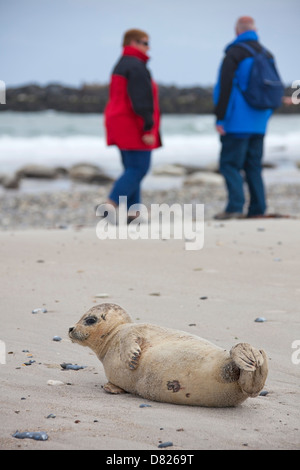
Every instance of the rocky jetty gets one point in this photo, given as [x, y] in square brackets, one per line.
[92, 98]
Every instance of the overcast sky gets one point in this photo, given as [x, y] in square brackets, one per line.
[78, 41]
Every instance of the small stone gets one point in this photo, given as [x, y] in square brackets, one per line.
[38, 310]
[51, 415]
[56, 338]
[144, 405]
[72, 366]
[37, 436]
[55, 382]
[260, 319]
[102, 296]
[28, 363]
[165, 444]
[263, 393]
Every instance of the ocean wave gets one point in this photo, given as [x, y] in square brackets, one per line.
[64, 151]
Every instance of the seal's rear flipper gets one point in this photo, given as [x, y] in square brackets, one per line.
[253, 365]
[111, 388]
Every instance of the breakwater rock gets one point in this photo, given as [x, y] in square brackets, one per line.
[92, 98]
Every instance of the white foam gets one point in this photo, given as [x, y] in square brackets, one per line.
[59, 139]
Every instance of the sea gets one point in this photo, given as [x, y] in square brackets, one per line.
[62, 139]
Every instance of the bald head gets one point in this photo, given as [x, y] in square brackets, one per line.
[245, 23]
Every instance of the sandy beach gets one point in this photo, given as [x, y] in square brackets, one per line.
[245, 270]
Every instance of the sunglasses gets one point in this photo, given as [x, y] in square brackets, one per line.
[144, 43]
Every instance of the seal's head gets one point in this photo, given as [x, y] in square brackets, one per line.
[96, 325]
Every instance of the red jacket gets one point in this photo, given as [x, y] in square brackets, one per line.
[133, 106]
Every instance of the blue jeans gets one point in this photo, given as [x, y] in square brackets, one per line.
[243, 153]
[136, 164]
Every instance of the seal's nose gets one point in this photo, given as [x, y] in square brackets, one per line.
[71, 329]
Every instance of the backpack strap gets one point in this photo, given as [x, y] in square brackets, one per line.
[246, 46]
[252, 51]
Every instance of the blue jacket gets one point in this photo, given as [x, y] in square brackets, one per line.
[231, 109]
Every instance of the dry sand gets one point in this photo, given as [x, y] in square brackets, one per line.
[246, 269]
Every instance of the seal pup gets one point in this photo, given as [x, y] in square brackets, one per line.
[166, 365]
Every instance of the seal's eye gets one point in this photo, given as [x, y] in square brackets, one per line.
[90, 320]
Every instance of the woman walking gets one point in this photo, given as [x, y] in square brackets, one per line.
[132, 116]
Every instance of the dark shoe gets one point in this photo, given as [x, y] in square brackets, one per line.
[229, 215]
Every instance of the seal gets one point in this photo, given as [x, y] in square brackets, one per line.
[167, 365]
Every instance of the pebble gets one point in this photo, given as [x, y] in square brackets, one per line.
[68, 208]
[37, 436]
[51, 415]
[165, 444]
[263, 393]
[28, 363]
[56, 338]
[72, 366]
[260, 319]
[55, 382]
[102, 296]
[144, 405]
[38, 310]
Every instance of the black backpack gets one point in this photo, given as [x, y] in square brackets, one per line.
[265, 89]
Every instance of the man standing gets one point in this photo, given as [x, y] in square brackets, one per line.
[241, 126]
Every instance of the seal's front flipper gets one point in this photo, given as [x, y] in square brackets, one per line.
[253, 365]
[134, 357]
[131, 351]
[111, 388]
